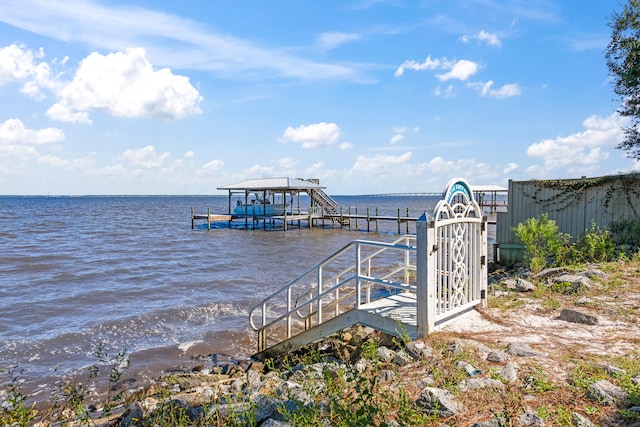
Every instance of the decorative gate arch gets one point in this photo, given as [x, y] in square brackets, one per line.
[451, 257]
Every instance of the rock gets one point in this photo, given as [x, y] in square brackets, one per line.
[593, 272]
[581, 421]
[493, 422]
[548, 272]
[574, 316]
[273, 423]
[419, 350]
[474, 383]
[386, 354]
[525, 286]
[440, 401]
[522, 285]
[529, 420]
[509, 372]
[497, 356]
[578, 283]
[293, 391]
[256, 366]
[254, 379]
[402, 358]
[264, 407]
[523, 350]
[131, 415]
[583, 301]
[636, 380]
[385, 376]
[426, 382]
[613, 370]
[606, 393]
[219, 359]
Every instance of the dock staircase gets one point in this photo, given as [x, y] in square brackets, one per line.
[337, 293]
[330, 206]
[408, 286]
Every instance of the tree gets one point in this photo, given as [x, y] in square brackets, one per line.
[623, 61]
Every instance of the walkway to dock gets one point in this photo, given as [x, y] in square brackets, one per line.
[254, 197]
[413, 285]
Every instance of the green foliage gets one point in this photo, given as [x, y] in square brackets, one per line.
[544, 245]
[622, 53]
[626, 232]
[539, 382]
[596, 245]
[72, 406]
[15, 412]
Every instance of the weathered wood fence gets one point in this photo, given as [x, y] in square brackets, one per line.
[575, 204]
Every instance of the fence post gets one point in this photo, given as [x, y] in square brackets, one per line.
[484, 268]
[424, 295]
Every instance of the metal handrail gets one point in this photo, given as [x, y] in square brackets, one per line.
[325, 294]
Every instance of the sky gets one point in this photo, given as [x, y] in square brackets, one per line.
[369, 96]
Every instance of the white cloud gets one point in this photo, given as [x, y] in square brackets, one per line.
[62, 113]
[122, 84]
[329, 41]
[258, 171]
[460, 70]
[483, 36]
[318, 135]
[378, 163]
[396, 138]
[510, 168]
[345, 146]
[506, 91]
[13, 131]
[53, 161]
[211, 168]
[449, 92]
[145, 157]
[287, 162]
[319, 171]
[428, 64]
[127, 85]
[400, 132]
[18, 64]
[580, 152]
[170, 39]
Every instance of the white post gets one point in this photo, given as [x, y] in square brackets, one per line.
[319, 297]
[422, 282]
[358, 281]
[484, 267]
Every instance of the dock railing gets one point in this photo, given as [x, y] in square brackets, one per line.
[357, 274]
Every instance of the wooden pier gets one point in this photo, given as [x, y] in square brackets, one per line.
[257, 196]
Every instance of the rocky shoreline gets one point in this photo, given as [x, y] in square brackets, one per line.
[559, 348]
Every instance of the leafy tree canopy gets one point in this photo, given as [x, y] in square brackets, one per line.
[623, 60]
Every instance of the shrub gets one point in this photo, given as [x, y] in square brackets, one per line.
[595, 245]
[544, 245]
[626, 232]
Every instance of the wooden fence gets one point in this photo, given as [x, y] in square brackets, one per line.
[575, 204]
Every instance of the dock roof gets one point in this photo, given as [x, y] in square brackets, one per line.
[274, 184]
[488, 188]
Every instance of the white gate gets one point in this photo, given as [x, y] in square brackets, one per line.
[451, 257]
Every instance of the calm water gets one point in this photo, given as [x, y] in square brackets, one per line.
[130, 273]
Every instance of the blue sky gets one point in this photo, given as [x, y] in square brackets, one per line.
[369, 96]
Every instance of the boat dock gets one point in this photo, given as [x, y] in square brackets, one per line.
[271, 203]
[344, 220]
